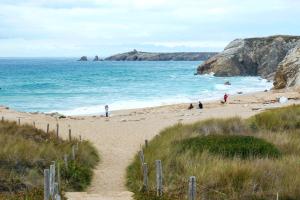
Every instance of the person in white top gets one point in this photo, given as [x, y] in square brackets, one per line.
[106, 110]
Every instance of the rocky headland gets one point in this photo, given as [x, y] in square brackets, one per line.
[268, 57]
[147, 56]
[288, 72]
[83, 58]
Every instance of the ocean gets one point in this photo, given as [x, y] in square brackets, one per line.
[70, 87]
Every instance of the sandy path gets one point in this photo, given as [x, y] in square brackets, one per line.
[119, 138]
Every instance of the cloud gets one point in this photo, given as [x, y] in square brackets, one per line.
[58, 26]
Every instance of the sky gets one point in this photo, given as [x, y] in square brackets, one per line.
[72, 28]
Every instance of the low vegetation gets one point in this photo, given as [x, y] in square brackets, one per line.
[231, 158]
[26, 151]
[229, 146]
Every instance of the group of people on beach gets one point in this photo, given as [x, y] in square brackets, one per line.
[200, 105]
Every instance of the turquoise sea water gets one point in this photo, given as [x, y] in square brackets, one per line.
[77, 88]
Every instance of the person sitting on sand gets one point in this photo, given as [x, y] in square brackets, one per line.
[200, 105]
[191, 106]
[106, 110]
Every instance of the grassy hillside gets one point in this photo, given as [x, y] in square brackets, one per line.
[26, 151]
[231, 158]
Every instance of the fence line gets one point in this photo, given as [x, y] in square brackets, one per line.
[47, 130]
[51, 183]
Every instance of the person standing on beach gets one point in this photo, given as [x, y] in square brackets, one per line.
[225, 97]
[106, 110]
[200, 105]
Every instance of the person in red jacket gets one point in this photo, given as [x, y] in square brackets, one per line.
[225, 97]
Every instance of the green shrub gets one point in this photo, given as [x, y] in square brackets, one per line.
[77, 176]
[230, 146]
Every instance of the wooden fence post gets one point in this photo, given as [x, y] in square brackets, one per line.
[52, 179]
[142, 157]
[146, 143]
[34, 124]
[145, 177]
[192, 188]
[80, 138]
[55, 192]
[66, 161]
[57, 130]
[277, 196]
[70, 135]
[73, 152]
[47, 128]
[77, 147]
[159, 178]
[57, 197]
[19, 121]
[46, 184]
[2, 119]
[58, 176]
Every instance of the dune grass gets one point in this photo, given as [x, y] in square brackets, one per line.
[258, 176]
[277, 119]
[26, 151]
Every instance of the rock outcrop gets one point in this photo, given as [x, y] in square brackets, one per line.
[147, 56]
[83, 58]
[288, 73]
[252, 56]
[96, 58]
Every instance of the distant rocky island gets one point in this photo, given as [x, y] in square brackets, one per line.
[85, 58]
[275, 57]
[148, 56]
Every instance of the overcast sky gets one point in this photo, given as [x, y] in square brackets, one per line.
[102, 27]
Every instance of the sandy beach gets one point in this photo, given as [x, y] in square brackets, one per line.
[120, 136]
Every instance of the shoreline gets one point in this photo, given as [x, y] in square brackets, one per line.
[112, 112]
[119, 137]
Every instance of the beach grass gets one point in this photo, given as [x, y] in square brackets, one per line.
[26, 151]
[231, 158]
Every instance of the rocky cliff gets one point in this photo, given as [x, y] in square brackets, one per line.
[252, 56]
[146, 56]
[288, 73]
